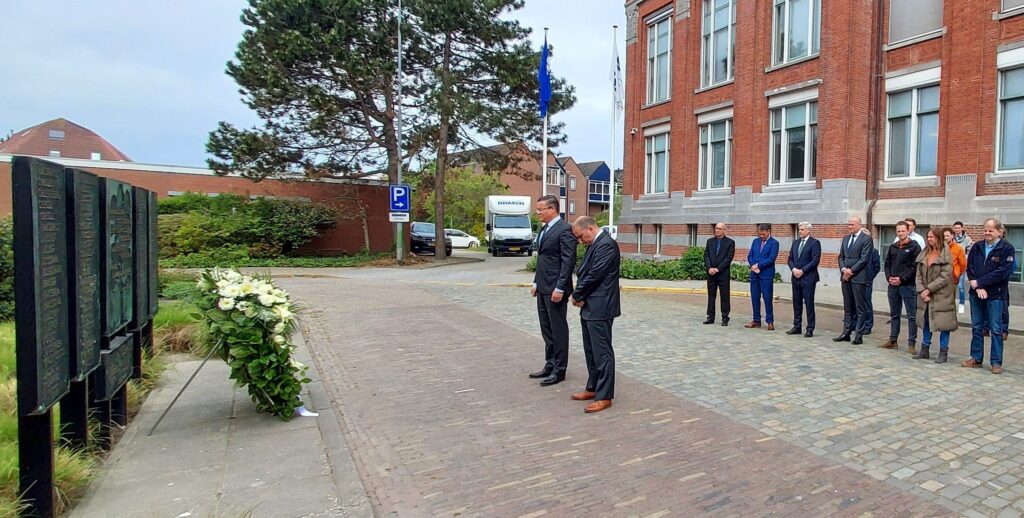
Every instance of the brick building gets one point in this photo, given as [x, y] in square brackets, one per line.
[781, 111]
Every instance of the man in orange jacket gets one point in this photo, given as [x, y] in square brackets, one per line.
[958, 254]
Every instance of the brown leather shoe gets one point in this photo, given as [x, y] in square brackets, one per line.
[598, 406]
[997, 369]
[771, 327]
[970, 362]
[889, 344]
[1006, 335]
[752, 324]
[582, 396]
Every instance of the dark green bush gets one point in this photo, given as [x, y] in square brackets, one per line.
[693, 263]
[6, 268]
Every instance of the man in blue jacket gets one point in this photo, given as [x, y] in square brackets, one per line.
[874, 267]
[804, 256]
[761, 258]
[989, 266]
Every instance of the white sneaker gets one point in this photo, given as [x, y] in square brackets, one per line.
[960, 308]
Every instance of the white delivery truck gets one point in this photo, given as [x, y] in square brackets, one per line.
[507, 225]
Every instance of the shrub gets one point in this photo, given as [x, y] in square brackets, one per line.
[693, 263]
[6, 268]
[531, 265]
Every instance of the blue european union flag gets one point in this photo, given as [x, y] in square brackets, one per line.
[544, 78]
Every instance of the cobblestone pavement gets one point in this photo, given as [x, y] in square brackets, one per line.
[429, 384]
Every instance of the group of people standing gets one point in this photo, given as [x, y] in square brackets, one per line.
[596, 293]
[924, 276]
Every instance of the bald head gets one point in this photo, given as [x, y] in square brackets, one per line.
[854, 224]
[585, 229]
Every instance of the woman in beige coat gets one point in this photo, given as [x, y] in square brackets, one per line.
[936, 309]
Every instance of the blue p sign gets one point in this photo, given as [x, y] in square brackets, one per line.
[400, 197]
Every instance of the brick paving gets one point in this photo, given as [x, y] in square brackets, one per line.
[429, 385]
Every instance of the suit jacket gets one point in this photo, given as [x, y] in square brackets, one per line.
[556, 257]
[992, 272]
[807, 261]
[721, 258]
[763, 255]
[856, 256]
[597, 281]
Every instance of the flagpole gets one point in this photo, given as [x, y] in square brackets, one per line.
[544, 160]
[615, 111]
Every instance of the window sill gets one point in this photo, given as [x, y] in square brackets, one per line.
[791, 63]
[653, 196]
[659, 103]
[916, 39]
[723, 191]
[714, 86]
[790, 187]
[1016, 175]
[1002, 15]
[908, 183]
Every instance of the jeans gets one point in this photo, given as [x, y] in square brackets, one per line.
[990, 312]
[927, 340]
[962, 287]
[761, 287]
[905, 296]
[1006, 312]
[869, 316]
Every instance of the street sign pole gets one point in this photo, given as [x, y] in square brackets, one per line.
[400, 245]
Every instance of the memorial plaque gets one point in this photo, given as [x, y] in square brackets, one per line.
[115, 368]
[140, 274]
[154, 260]
[84, 271]
[116, 206]
[40, 284]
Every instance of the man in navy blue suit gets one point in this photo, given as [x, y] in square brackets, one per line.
[761, 258]
[804, 256]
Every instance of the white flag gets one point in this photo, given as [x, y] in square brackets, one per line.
[616, 76]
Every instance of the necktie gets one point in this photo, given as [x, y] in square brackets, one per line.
[718, 245]
[541, 235]
[800, 249]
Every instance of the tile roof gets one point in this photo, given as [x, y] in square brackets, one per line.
[64, 136]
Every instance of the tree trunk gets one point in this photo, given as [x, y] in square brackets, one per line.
[442, 150]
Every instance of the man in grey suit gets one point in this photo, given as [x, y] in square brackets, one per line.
[854, 255]
[552, 286]
[597, 296]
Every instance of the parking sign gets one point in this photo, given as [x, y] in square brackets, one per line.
[400, 197]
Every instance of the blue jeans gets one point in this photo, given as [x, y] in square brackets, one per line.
[962, 287]
[1006, 313]
[869, 320]
[943, 336]
[761, 288]
[904, 296]
[987, 313]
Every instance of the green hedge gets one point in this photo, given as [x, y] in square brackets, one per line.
[688, 267]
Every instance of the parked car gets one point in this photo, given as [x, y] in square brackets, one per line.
[461, 239]
[422, 238]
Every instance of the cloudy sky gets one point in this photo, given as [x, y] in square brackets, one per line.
[149, 76]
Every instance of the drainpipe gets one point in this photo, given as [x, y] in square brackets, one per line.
[877, 78]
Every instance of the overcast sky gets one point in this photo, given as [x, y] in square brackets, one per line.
[149, 76]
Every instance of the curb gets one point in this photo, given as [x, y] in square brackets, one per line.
[649, 289]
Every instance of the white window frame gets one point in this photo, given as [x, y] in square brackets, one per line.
[914, 140]
[888, 30]
[649, 160]
[813, 37]
[693, 234]
[657, 239]
[653, 79]
[572, 206]
[572, 182]
[707, 48]
[809, 151]
[56, 134]
[95, 155]
[705, 153]
[639, 239]
[1004, 9]
[1005, 61]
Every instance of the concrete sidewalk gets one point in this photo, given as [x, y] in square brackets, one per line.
[214, 456]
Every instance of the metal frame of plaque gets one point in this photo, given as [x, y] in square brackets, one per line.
[116, 255]
[117, 368]
[84, 228]
[154, 261]
[140, 274]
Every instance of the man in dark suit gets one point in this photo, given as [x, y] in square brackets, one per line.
[804, 256]
[718, 254]
[874, 268]
[761, 258]
[552, 286]
[597, 296]
[854, 256]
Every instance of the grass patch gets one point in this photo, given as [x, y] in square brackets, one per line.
[201, 260]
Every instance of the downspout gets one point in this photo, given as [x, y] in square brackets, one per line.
[877, 56]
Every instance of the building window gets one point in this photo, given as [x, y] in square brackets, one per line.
[657, 239]
[572, 207]
[555, 176]
[659, 46]
[1011, 120]
[1016, 235]
[572, 182]
[639, 239]
[54, 152]
[599, 191]
[1012, 4]
[656, 179]
[718, 42]
[796, 29]
[913, 133]
[912, 18]
[794, 143]
[95, 156]
[715, 155]
[56, 134]
[693, 235]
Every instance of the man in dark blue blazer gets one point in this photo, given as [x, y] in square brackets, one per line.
[854, 257]
[552, 286]
[761, 258]
[597, 296]
[989, 267]
[804, 256]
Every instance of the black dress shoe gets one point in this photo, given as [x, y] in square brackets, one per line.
[794, 331]
[857, 340]
[708, 321]
[845, 337]
[808, 334]
[866, 332]
[725, 321]
[551, 380]
[540, 374]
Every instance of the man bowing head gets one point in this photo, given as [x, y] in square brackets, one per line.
[597, 296]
